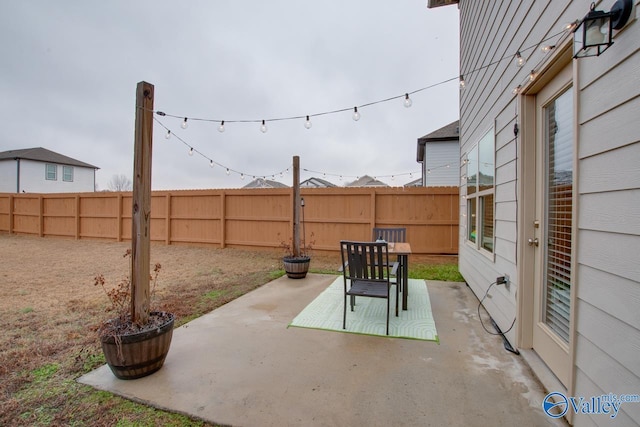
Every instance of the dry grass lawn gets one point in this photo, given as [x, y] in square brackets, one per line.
[51, 310]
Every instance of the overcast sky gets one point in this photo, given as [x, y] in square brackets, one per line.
[69, 71]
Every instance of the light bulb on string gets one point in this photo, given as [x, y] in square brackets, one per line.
[307, 123]
[227, 171]
[242, 176]
[356, 115]
[463, 84]
[191, 151]
[211, 163]
[407, 101]
[263, 127]
[168, 135]
[532, 75]
[221, 127]
[516, 90]
[520, 61]
[184, 124]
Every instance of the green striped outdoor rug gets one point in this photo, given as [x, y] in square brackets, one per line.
[369, 316]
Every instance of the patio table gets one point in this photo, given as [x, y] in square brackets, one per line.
[402, 250]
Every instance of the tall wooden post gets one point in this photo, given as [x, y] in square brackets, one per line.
[141, 204]
[296, 206]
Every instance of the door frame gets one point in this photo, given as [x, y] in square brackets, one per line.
[526, 214]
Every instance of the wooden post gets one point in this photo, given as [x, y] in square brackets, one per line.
[141, 204]
[296, 206]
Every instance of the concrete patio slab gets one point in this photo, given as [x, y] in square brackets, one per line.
[240, 365]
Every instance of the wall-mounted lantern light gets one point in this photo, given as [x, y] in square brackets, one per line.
[595, 32]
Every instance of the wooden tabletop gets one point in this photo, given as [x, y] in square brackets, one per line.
[399, 248]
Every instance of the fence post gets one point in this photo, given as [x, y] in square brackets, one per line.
[223, 219]
[296, 206]
[77, 218]
[167, 223]
[11, 214]
[40, 216]
[141, 204]
[119, 219]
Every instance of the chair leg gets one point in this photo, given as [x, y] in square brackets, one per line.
[388, 306]
[397, 297]
[344, 316]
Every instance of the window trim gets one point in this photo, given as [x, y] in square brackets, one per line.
[46, 171]
[480, 197]
[66, 168]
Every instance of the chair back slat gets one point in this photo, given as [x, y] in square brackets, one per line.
[365, 260]
[397, 234]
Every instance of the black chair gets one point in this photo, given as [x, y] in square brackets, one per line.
[366, 273]
[398, 234]
[391, 235]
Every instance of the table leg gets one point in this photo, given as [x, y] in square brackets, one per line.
[404, 266]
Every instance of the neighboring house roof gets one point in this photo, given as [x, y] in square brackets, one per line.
[265, 183]
[314, 182]
[40, 154]
[450, 132]
[366, 181]
[414, 183]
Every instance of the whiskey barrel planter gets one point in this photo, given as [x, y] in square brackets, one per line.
[137, 355]
[296, 267]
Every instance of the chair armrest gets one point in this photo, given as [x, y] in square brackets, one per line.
[343, 267]
[394, 268]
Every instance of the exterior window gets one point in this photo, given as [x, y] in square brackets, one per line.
[67, 173]
[480, 193]
[51, 172]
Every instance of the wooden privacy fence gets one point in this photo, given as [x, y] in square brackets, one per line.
[247, 218]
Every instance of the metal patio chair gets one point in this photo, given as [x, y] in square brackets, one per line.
[366, 273]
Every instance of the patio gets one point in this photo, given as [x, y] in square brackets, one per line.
[241, 365]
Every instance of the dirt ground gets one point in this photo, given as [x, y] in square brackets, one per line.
[50, 311]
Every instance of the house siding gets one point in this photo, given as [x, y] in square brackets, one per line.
[607, 244]
[442, 158]
[33, 180]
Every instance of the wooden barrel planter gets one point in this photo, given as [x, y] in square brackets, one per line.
[296, 267]
[140, 354]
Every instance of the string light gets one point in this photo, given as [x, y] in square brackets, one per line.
[520, 61]
[516, 90]
[356, 114]
[532, 75]
[407, 101]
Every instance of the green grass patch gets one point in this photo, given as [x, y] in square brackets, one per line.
[216, 293]
[444, 272]
[26, 310]
[275, 274]
[45, 372]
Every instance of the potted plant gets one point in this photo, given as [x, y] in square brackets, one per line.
[133, 350]
[296, 262]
